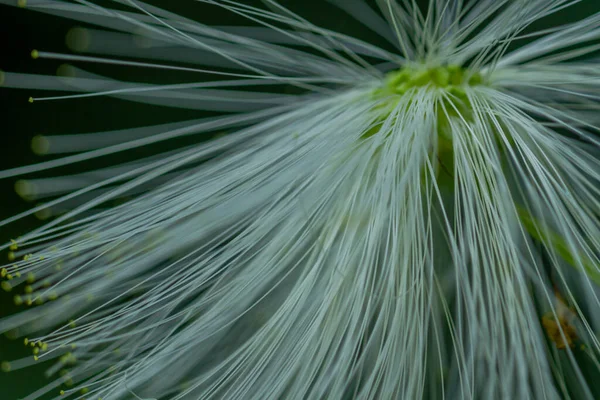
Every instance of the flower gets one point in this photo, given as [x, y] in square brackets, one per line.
[373, 224]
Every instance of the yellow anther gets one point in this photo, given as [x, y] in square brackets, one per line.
[3, 272]
[30, 277]
[43, 214]
[78, 39]
[26, 341]
[25, 189]
[22, 3]
[36, 351]
[11, 256]
[66, 70]
[28, 289]
[18, 300]
[62, 392]
[31, 100]
[13, 244]
[18, 274]
[9, 276]
[84, 390]
[40, 145]
[52, 296]
[7, 287]
[36, 358]
[72, 324]
[35, 54]
[44, 346]
[26, 257]
[5, 366]
[13, 334]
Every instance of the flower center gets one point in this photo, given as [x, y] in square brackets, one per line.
[449, 77]
[448, 81]
[448, 84]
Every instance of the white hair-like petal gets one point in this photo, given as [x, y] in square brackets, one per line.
[423, 224]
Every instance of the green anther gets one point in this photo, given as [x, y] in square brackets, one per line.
[7, 287]
[394, 80]
[449, 76]
[440, 76]
[5, 366]
[421, 78]
[475, 79]
[458, 92]
[456, 74]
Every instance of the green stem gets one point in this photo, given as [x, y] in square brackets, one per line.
[536, 231]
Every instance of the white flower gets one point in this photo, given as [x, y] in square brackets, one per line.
[423, 223]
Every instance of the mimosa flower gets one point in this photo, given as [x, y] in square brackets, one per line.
[422, 223]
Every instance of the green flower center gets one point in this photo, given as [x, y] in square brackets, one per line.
[450, 78]
[449, 81]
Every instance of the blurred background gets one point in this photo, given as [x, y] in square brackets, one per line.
[21, 31]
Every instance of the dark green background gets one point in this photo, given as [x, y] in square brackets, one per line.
[23, 30]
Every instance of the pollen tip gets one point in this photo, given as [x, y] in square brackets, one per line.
[25, 189]
[43, 214]
[13, 244]
[35, 54]
[66, 70]
[5, 366]
[78, 39]
[40, 145]
[22, 3]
